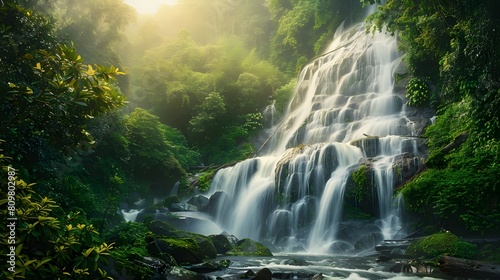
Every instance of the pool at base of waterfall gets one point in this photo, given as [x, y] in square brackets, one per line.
[317, 267]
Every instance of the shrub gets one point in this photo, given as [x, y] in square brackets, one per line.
[445, 243]
[417, 92]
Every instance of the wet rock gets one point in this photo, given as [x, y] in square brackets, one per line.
[402, 267]
[168, 201]
[383, 259]
[264, 274]
[214, 201]
[248, 247]
[369, 145]
[183, 250]
[248, 274]
[207, 267]
[179, 207]
[162, 228]
[199, 201]
[221, 243]
[204, 243]
[179, 273]
[318, 276]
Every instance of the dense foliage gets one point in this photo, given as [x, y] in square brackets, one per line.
[45, 246]
[196, 91]
[305, 27]
[454, 46]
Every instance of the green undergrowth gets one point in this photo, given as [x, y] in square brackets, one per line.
[439, 244]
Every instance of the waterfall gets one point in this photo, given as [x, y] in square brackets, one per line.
[345, 116]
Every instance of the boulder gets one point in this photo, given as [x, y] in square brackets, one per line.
[263, 274]
[221, 243]
[199, 201]
[181, 207]
[179, 273]
[207, 267]
[248, 247]
[165, 230]
[183, 250]
[215, 200]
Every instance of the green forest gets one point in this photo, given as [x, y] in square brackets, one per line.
[100, 105]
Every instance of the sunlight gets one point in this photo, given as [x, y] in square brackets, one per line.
[149, 6]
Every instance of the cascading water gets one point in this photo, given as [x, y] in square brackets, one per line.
[304, 192]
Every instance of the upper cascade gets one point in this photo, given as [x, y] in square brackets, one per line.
[325, 179]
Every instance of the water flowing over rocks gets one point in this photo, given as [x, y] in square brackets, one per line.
[324, 181]
[325, 178]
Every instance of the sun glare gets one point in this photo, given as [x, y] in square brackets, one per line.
[149, 6]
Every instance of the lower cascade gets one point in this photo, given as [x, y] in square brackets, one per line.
[324, 180]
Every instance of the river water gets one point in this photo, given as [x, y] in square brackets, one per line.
[298, 266]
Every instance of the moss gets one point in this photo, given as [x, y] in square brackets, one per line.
[445, 243]
[130, 247]
[361, 179]
[205, 180]
[248, 247]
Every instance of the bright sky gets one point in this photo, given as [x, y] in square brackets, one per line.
[149, 6]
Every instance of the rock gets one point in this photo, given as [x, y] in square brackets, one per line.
[183, 250]
[401, 267]
[383, 259]
[207, 267]
[221, 243]
[248, 274]
[179, 273]
[162, 228]
[181, 207]
[206, 247]
[199, 201]
[248, 247]
[264, 274]
[369, 145]
[213, 203]
[318, 276]
[168, 201]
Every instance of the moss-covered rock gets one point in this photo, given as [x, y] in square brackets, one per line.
[248, 247]
[222, 243]
[184, 274]
[183, 250]
[445, 243]
[162, 230]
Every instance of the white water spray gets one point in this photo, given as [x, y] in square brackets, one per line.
[344, 114]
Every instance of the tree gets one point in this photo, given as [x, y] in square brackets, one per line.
[206, 124]
[305, 27]
[151, 162]
[45, 247]
[47, 93]
[95, 26]
[454, 45]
